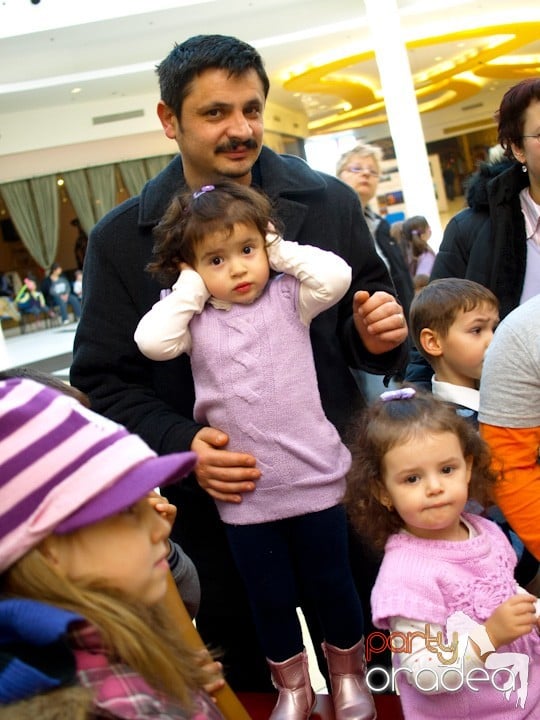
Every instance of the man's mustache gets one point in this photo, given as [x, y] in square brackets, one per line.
[234, 144]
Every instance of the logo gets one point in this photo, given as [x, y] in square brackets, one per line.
[507, 672]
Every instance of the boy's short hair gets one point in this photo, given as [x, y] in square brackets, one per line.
[437, 305]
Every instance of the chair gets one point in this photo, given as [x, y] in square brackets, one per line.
[28, 319]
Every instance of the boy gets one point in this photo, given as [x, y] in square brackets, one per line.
[452, 322]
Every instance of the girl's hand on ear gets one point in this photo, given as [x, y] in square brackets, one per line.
[163, 507]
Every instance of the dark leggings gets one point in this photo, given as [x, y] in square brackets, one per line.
[304, 555]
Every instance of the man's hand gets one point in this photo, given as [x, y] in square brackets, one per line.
[223, 474]
[379, 321]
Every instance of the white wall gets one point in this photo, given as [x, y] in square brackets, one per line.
[64, 138]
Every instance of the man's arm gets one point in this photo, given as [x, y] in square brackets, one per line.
[517, 491]
[154, 401]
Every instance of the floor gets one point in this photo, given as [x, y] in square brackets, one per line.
[47, 350]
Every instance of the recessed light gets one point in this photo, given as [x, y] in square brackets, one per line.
[76, 91]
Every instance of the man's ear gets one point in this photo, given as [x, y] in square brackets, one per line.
[168, 120]
[430, 342]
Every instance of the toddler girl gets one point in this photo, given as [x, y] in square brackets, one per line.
[83, 567]
[464, 636]
[242, 308]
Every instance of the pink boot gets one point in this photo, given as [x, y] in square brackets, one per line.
[350, 694]
[296, 698]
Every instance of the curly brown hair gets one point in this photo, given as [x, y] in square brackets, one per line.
[190, 217]
[385, 425]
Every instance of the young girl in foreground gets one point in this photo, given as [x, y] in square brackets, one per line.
[83, 563]
[247, 333]
[415, 463]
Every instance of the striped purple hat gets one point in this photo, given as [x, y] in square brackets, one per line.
[63, 467]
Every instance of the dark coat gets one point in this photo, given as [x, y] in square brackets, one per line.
[155, 399]
[485, 242]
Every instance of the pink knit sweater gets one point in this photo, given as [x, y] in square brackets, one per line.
[428, 581]
[255, 379]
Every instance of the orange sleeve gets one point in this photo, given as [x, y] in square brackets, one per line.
[517, 491]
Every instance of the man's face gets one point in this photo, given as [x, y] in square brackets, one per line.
[220, 130]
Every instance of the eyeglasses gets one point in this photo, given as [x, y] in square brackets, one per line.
[358, 169]
[536, 137]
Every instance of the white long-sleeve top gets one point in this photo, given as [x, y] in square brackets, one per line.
[163, 333]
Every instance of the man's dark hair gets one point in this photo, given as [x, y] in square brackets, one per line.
[201, 52]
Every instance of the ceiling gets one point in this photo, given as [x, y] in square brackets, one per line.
[60, 55]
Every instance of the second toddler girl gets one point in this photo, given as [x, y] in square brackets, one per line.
[445, 574]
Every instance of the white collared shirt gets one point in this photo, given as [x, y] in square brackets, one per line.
[457, 394]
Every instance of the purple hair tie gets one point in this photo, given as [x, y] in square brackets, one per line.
[400, 394]
[204, 189]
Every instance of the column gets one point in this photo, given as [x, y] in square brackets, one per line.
[402, 112]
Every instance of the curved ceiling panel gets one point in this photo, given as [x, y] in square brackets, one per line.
[470, 59]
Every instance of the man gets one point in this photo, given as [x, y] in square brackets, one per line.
[213, 92]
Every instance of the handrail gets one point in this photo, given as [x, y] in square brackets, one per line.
[230, 706]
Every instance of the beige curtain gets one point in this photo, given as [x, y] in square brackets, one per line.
[156, 164]
[92, 193]
[134, 174]
[34, 209]
[80, 194]
[103, 184]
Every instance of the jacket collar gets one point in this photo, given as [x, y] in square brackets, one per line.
[286, 179]
[499, 182]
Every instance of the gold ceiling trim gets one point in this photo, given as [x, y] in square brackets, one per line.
[443, 84]
[474, 125]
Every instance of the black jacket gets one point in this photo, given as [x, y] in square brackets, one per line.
[485, 242]
[155, 399]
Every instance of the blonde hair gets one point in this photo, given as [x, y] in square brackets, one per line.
[360, 150]
[143, 638]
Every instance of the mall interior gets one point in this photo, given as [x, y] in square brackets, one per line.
[79, 132]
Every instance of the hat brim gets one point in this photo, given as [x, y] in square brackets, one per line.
[129, 489]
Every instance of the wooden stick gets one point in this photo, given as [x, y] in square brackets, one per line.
[230, 706]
